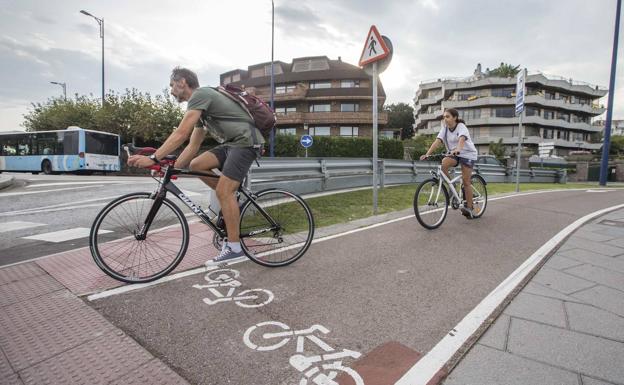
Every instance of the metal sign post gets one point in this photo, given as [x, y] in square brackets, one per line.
[375, 139]
[519, 111]
[376, 55]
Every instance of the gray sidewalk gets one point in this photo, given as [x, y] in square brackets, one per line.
[567, 325]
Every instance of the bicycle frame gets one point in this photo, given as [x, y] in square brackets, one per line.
[166, 185]
[450, 182]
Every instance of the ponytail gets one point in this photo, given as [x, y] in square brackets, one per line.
[454, 113]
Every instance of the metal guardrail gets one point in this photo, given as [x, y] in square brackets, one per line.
[311, 175]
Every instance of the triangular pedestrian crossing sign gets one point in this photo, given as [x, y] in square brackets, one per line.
[374, 48]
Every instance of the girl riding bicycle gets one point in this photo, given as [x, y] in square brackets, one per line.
[456, 138]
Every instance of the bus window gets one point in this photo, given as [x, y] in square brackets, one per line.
[103, 144]
[46, 143]
[23, 146]
[8, 145]
[70, 143]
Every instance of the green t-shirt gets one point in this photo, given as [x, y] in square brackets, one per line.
[223, 118]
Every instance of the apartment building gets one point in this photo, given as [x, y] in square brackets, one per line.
[557, 110]
[316, 96]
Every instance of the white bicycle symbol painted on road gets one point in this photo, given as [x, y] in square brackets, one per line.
[317, 369]
[227, 278]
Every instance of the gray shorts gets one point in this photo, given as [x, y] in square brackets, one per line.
[234, 162]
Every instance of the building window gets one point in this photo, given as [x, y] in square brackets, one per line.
[348, 131]
[236, 77]
[549, 95]
[503, 92]
[466, 95]
[532, 111]
[285, 89]
[287, 131]
[319, 131]
[548, 133]
[387, 134]
[474, 113]
[349, 107]
[349, 83]
[320, 107]
[549, 115]
[563, 116]
[318, 85]
[504, 112]
[285, 110]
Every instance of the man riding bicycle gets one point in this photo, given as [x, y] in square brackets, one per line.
[240, 144]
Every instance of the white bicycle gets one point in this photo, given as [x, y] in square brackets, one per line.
[227, 278]
[431, 200]
[317, 369]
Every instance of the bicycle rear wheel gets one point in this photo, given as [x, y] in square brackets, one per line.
[479, 195]
[122, 255]
[283, 234]
[431, 204]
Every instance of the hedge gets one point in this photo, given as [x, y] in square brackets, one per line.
[327, 146]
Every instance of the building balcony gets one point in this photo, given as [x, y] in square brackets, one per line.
[536, 120]
[363, 117]
[535, 140]
[425, 116]
[593, 109]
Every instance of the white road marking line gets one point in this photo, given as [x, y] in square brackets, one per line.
[68, 183]
[12, 226]
[45, 191]
[429, 365]
[64, 235]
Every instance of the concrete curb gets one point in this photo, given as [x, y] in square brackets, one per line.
[6, 181]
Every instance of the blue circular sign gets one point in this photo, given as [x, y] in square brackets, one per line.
[306, 141]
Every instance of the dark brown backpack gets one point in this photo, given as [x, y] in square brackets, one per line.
[261, 113]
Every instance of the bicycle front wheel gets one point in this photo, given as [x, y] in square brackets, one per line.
[431, 203]
[276, 228]
[479, 195]
[122, 254]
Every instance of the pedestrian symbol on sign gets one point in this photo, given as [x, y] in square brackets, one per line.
[371, 46]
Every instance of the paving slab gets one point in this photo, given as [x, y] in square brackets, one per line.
[592, 381]
[496, 335]
[19, 272]
[26, 289]
[537, 308]
[487, 366]
[593, 236]
[545, 291]
[611, 263]
[559, 262]
[592, 320]
[604, 298]
[598, 247]
[560, 281]
[576, 352]
[108, 357]
[599, 275]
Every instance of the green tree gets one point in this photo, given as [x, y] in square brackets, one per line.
[504, 70]
[133, 115]
[617, 145]
[497, 149]
[421, 144]
[401, 115]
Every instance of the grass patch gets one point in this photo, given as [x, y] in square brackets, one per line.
[345, 207]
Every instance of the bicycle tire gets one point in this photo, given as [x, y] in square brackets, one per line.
[290, 241]
[479, 195]
[424, 206]
[107, 247]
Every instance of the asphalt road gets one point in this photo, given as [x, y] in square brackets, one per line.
[37, 207]
[397, 282]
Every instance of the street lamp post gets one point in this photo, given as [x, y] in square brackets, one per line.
[64, 85]
[101, 24]
[272, 134]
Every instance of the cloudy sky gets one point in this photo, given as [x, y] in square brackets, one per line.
[43, 41]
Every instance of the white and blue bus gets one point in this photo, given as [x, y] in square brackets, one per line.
[73, 150]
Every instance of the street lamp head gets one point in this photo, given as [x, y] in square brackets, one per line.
[86, 13]
[54, 82]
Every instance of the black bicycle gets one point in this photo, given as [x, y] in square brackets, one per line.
[143, 236]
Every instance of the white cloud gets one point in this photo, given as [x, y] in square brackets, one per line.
[51, 41]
